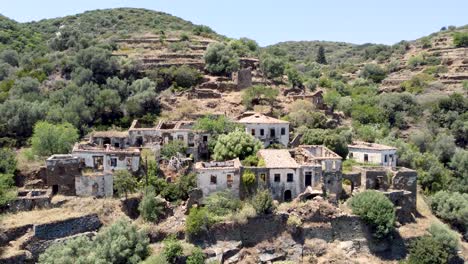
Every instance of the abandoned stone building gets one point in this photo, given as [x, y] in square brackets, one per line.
[373, 153]
[267, 129]
[107, 158]
[287, 173]
[216, 176]
[154, 137]
[316, 98]
[61, 172]
[399, 184]
[65, 175]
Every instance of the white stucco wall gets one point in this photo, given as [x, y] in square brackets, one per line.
[266, 138]
[204, 181]
[88, 158]
[374, 156]
[278, 188]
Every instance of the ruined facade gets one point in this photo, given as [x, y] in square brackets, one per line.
[166, 131]
[373, 153]
[107, 158]
[398, 184]
[98, 184]
[61, 172]
[315, 98]
[267, 129]
[287, 173]
[216, 176]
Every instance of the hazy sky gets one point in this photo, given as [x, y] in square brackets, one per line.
[269, 22]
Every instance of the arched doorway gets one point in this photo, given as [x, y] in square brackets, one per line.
[287, 195]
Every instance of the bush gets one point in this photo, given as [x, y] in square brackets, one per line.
[51, 139]
[222, 203]
[156, 259]
[438, 247]
[263, 202]
[273, 67]
[197, 256]
[172, 249]
[376, 210]
[251, 160]
[237, 144]
[118, 243]
[248, 178]
[221, 59]
[427, 250]
[460, 39]
[197, 222]
[150, 207]
[259, 95]
[373, 72]
[171, 149]
[451, 207]
[124, 182]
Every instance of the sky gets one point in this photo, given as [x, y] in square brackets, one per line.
[269, 22]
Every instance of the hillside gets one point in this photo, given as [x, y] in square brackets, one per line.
[154, 102]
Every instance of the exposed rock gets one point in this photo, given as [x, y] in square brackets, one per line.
[267, 257]
[315, 246]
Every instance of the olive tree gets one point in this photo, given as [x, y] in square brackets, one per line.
[221, 59]
[237, 144]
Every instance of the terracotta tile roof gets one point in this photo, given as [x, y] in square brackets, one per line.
[370, 146]
[277, 158]
[261, 119]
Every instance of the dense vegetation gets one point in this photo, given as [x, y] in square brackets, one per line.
[118, 243]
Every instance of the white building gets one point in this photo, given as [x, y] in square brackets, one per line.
[373, 153]
[107, 158]
[154, 137]
[218, 176]
[267, 129]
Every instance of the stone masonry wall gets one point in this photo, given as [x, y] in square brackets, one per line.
[67, 227]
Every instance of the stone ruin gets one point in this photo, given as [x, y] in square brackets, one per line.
[399, 185]
[28, 200]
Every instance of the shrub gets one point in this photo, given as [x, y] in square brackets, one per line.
[172, 249]
[259, 95]
[51, 139]
[273, 67]
[417, 83]
[248, 178]
[222, 203]
[438, 247]
[197, 221]
[156, 259]
[220, 59]
[171, 149]
[451, 207]
[375, 209]
[150, 207]
[237, 144]
[118, 243]
[460, 39]
[251, 160]
[263, 202]
[373, 72]
[124, 182]
[427, 250]
[444, 147]
[197, 256]
[7, 170]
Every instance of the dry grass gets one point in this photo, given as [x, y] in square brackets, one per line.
[27, 161]
[107, 209]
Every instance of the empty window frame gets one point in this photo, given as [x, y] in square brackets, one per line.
[263, 177]
[113, 162]
[366, 157]
[277, 177]
[213, 180]
[290, 177]
[229, 180]
[262, 132]
[283, 131]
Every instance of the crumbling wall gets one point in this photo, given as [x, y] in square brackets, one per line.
[100, 185]
[332, 182]
[244, 78]
[374, 178]
[28, 200]
[61, 172]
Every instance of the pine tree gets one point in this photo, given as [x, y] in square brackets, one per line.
[321, 56]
